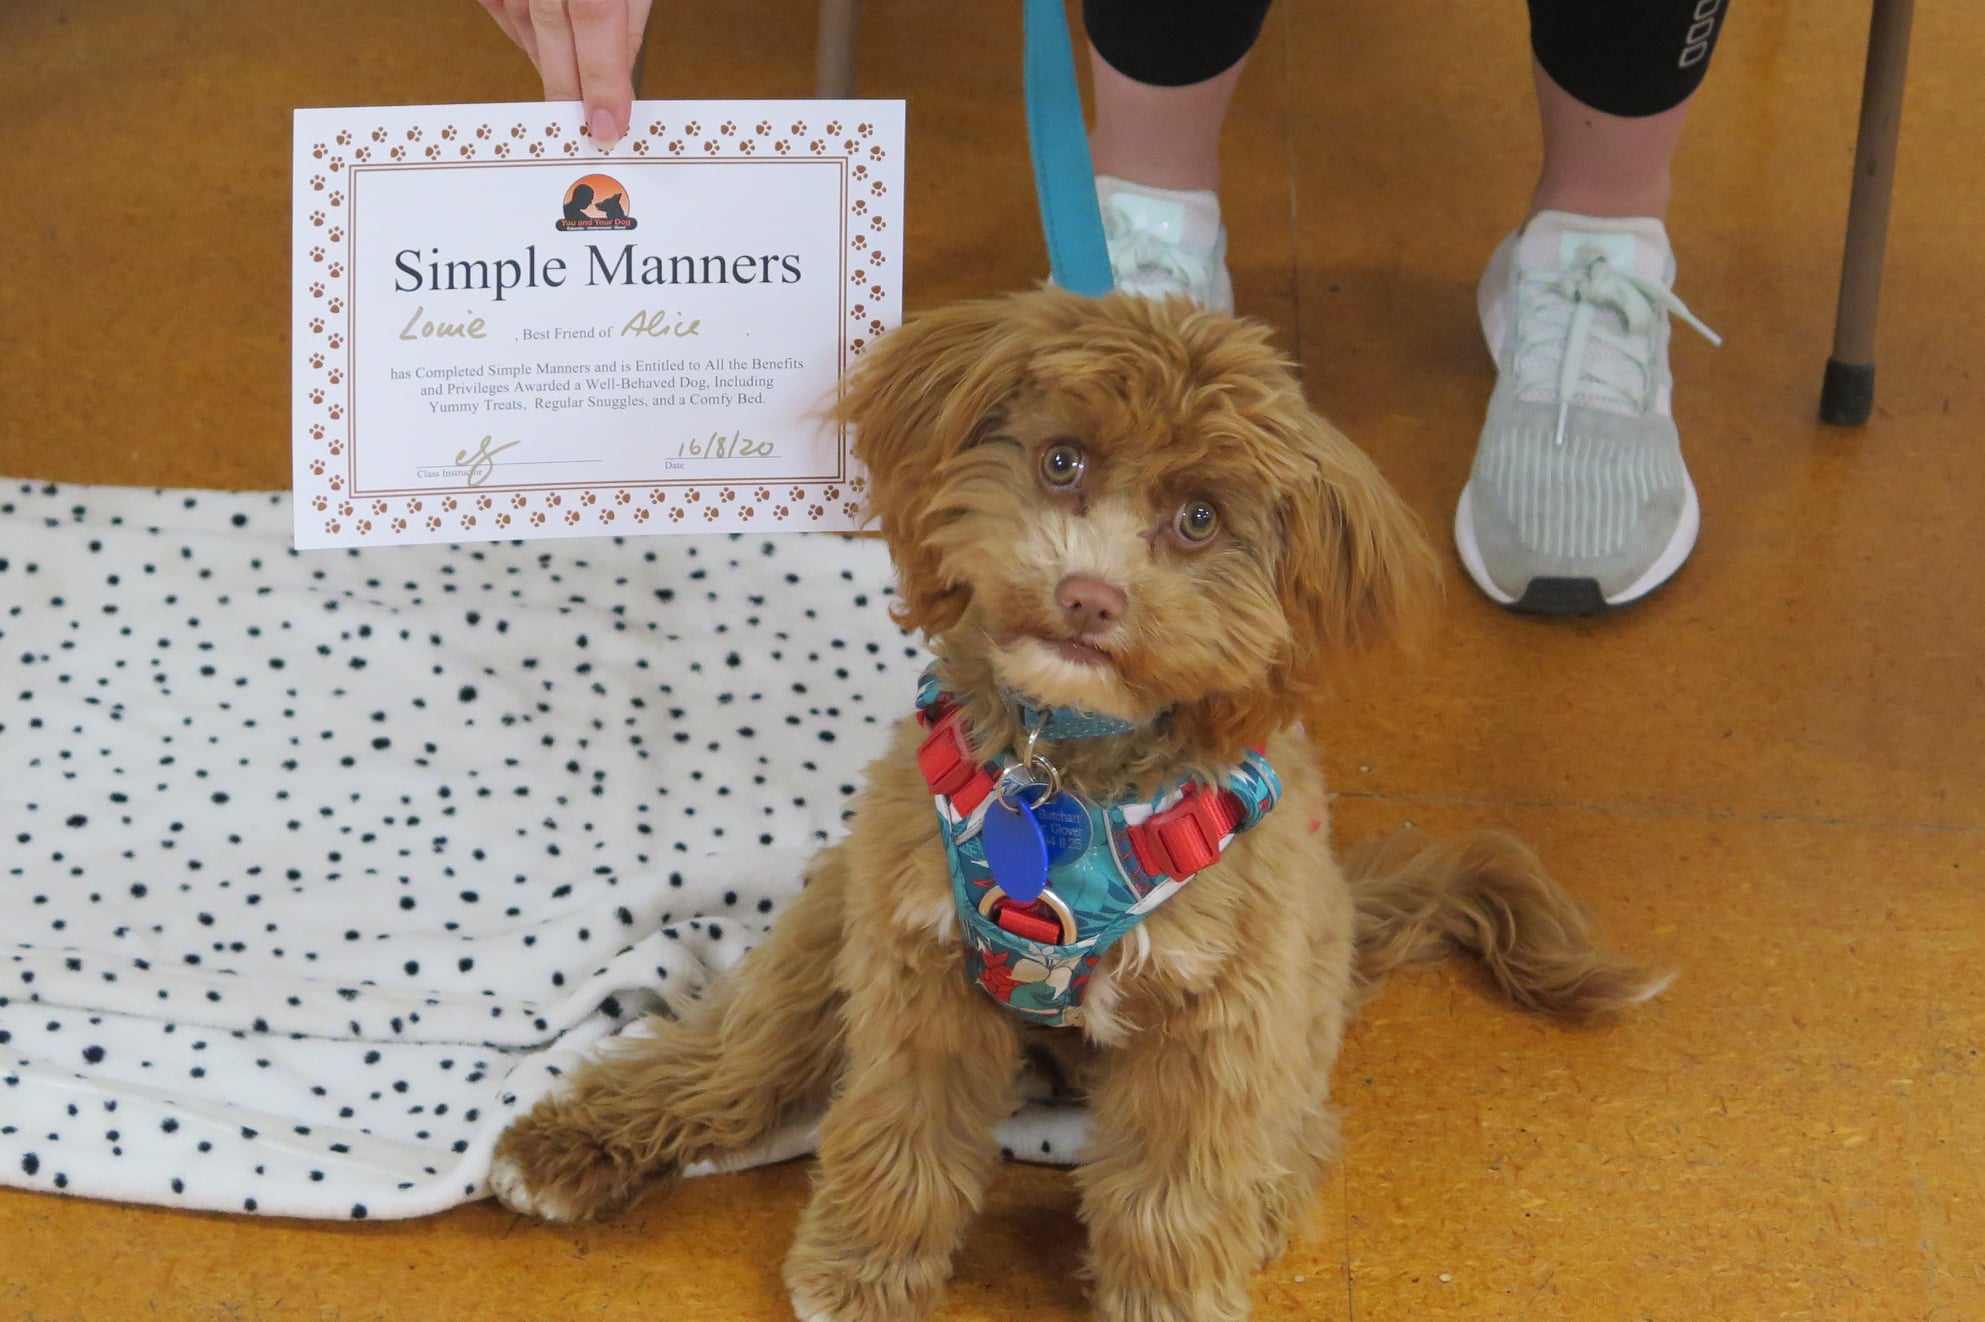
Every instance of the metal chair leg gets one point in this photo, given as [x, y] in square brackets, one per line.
[1847, 395]
[834, 66]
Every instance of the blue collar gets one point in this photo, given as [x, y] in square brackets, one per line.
[1063, 722]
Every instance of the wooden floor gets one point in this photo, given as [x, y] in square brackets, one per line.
[1770, 777]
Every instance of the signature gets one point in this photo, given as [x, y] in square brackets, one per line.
[483, 462]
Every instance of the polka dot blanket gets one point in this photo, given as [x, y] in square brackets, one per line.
[315, 869]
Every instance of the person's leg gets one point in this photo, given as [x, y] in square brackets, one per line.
[1163, 73]
[1166, 137]
[1596, 164]
[1613, 87]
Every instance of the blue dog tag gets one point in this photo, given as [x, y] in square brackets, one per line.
[1016, 851]
[1064, 820]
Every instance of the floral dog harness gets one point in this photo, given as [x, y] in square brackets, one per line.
[1083, 874]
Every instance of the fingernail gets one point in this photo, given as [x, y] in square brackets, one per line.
[606, 129]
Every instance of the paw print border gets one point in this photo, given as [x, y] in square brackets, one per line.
[336, 149]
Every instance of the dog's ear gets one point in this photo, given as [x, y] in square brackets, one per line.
[918, 400]
[1358, 571]
[1355, 572]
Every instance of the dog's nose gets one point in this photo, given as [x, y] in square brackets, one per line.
[1089, 604]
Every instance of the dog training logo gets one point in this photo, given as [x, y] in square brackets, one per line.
[596, 202]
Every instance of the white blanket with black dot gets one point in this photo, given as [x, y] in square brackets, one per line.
[315, 868]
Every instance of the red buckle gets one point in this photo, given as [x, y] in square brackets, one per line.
[1021, 921]
[1186, 836]
[948, 767]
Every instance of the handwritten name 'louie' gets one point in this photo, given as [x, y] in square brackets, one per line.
[625, 266]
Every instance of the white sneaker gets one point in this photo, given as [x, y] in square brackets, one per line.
[1578, 499]
[1165, 242]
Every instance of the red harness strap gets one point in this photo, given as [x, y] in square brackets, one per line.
[1186, 836]
[946, 761]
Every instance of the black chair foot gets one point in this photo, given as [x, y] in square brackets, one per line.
[1847, 395]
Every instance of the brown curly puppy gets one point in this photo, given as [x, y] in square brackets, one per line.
[1128, 510]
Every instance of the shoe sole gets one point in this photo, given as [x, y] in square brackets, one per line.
[1576, 596]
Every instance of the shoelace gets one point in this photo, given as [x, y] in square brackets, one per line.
[1140, 259]
[1558, 310]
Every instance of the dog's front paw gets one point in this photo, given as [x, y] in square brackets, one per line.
[1182, 1290]
[837, 1287]
[513, 1188]
[544, 1166]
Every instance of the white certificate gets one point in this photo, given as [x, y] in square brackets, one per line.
[502, 331]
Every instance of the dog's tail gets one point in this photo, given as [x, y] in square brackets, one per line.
[1421, 901]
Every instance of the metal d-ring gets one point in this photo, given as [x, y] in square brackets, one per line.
[1013, 780]
[1031, 763]
[1054, 902]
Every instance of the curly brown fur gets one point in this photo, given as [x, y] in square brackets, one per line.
[1210, 1033]
[1317, 556]
[1487, 895]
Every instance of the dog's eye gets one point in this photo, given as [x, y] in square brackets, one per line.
[1061, 465]
[1197, 521]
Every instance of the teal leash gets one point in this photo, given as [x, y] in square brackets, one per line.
[1064, 177]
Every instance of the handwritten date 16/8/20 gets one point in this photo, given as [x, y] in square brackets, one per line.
[736, 445]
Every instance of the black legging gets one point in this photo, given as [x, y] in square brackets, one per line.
[1620, 58]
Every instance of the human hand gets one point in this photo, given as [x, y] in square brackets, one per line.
[584, 50]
